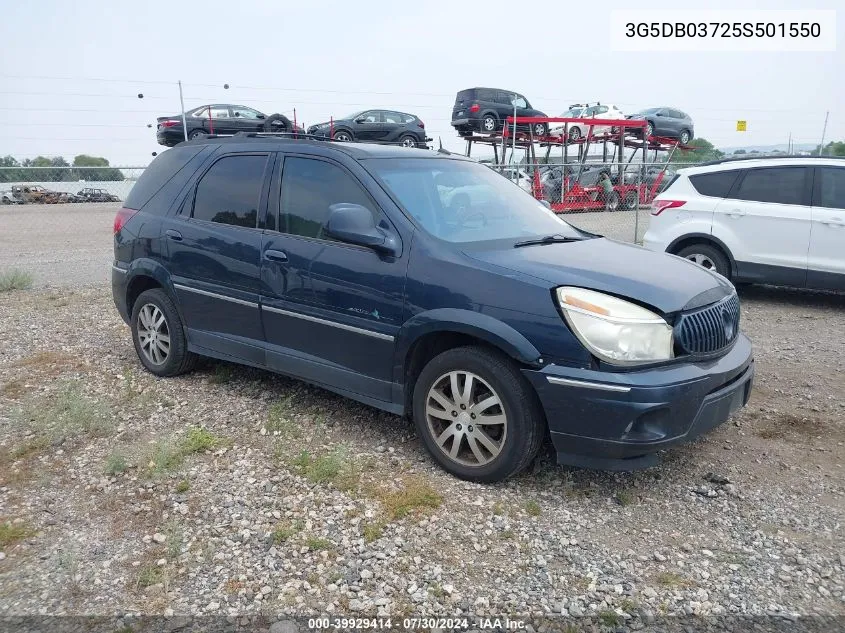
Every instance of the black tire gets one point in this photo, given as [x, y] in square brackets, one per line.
[700, 253]
[632, 201]
[196, 134]
[541, 129]
[685, 137]
[178, 360]
[649, 130]
[408, 140]
[278, 123]
[343, 136]
[525, 424]
[489, 124]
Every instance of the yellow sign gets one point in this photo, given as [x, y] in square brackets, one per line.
[741, 126]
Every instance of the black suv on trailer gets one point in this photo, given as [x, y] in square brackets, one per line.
[485, 110]
[426, 285]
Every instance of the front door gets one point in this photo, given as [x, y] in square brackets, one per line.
[766, 224]
[368, 126]
[246, 119]
[213, 248]
[330, 309]
[826, 257]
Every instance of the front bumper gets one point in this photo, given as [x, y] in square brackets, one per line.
[618, 420]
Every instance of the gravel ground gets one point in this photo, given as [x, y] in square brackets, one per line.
[291, 500]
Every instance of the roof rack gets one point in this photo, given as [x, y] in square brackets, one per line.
[294, 135]
[731, 159]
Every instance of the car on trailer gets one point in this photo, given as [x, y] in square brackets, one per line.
[387, 127]
[667, 122]
[220, 118]
[485, 110]
[577, 131]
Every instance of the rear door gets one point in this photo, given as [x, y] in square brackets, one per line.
[765, 222]
[213, 251]
[330, 309]
[826, 257]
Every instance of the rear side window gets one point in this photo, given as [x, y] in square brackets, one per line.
[716, 184]
[230, 191]
[309, 188]
[165, 166]
[830, 187]
[779, 185]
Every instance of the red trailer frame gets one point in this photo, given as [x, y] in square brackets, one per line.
[577, 198]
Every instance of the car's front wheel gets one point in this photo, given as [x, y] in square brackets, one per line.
[343, 136]
[574, 133]
[159, 335]
[708, 257]
[477, 415]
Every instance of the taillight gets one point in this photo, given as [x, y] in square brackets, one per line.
[122, 218]
[169, 123]
[474, 107]
[421, 124]
[659, 206]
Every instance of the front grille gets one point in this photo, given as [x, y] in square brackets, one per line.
[710, 329]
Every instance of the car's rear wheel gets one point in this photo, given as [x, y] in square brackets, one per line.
[489, 123]
[343, 135]
[408, 141]
[574, 133]
[685, 137]
[159, 335]
[707, 256]
[477, 415]
[196, 134]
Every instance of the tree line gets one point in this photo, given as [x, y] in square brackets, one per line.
[57, 169]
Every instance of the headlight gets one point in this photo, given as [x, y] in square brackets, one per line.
[615, 330]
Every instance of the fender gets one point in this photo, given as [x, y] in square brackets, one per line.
[704, 237]
[477, 324]
[146, 267]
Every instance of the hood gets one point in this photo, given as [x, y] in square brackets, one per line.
[665, 282]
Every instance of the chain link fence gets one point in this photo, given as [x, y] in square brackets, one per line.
[66, 185]
[592, 195]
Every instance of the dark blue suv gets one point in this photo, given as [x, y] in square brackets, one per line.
[426, 285]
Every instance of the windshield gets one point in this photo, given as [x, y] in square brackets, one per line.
[462, 201]
[572, 113]
[351, 117]
[649, 111]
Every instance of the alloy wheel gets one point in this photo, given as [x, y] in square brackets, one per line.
[408, 142]
[153, 334]
[466, 418]
[702, 260]
[489, 123]
[342, 136]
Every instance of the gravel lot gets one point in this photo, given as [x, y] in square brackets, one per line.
[235, 491]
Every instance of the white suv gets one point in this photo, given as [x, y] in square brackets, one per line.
[763, 220]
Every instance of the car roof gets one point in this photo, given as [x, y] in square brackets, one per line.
[359, 151]
[749, 162]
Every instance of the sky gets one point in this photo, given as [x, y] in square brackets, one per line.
[71, 72]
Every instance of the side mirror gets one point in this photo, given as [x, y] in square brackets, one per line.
[237, 114]
[354, 224]
[260, 116]
[361, 119]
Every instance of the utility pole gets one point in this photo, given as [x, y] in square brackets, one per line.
[824, 130]
[182, 102]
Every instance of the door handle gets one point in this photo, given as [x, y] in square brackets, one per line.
[275, 256]
[736, 213]
[174, 235]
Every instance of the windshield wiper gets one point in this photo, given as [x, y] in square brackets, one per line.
[548, 239]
